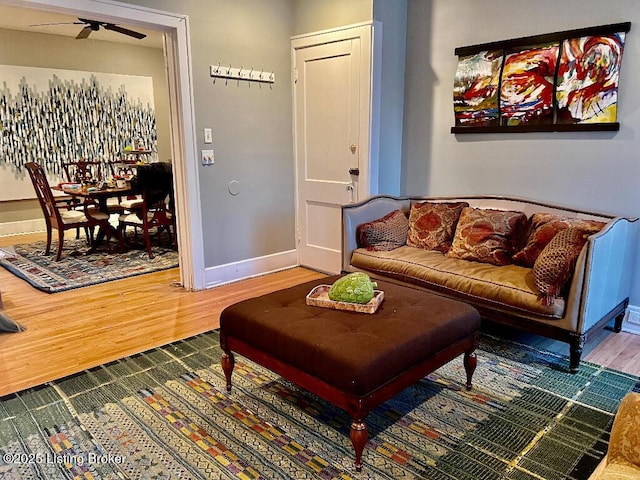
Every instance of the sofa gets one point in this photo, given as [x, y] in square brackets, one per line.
[549, 270]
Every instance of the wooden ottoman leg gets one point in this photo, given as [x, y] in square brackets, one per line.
[359, 436]
[227, 360]
[471, 361]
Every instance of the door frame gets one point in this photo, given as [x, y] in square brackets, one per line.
[182, 114]
[370, 34]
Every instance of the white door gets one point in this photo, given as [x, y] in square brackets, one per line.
[332, 108]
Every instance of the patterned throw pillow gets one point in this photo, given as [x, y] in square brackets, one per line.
[556, 262]
[487, 236]
[544, 227]
[431, 225]
[386, 233]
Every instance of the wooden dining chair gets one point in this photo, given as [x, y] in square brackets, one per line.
[57, 213]
[120, 204]
[86, 171]
[83, 171]
[156, 208]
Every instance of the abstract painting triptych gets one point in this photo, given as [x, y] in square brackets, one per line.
[571, 80]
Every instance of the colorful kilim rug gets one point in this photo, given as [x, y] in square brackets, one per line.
[75, 269]
[165, 414]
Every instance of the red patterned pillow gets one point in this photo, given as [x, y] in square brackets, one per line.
[486, 235]
[386, 233]
[431, 225]
[544, 227]
[555, 264]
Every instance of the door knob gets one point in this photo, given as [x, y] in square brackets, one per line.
[354, 171]
[353, 147]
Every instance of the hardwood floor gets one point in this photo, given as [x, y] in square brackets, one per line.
[71, 331]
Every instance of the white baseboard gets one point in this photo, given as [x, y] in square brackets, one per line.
[25, 226]
[253, 267]
[632, 313]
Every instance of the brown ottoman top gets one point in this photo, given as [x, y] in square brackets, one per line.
[356, 352]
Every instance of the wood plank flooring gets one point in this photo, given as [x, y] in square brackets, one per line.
[71, 331]
[68, 332]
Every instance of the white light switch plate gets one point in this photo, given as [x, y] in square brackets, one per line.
[207, 157]
[208, 137]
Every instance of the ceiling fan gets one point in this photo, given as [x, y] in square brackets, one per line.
[94, 26]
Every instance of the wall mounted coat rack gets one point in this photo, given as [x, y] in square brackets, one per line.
[242, 73]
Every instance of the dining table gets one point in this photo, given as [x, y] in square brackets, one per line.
[98, 196]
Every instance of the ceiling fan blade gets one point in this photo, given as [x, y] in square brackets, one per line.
[57, 23]
[84, 33]
[125, 31]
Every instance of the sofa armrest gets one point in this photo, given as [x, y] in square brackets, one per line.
[624, 445]
[608, 268]
[358, 213]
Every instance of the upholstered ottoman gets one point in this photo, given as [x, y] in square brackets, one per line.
[355, 361]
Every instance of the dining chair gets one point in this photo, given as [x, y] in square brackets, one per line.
[156, 208]
[119, 204]
[83, 171]
[57, 213]
[86, 171]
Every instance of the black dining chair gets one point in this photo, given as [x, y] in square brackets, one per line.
[155, 212]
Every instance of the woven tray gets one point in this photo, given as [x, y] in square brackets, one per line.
[319, 297]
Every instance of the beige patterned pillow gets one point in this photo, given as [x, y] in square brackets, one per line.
[487, 235]
[431, 225]
[555, 264]
[386, 233]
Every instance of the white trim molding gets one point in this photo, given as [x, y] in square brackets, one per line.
[631, 322]
[252, 267]
[24, 226]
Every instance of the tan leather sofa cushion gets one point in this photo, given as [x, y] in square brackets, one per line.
[510, 285]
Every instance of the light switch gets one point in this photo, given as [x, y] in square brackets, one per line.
[207, 157]
[208, 137]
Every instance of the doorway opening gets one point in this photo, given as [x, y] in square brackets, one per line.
[181, 114]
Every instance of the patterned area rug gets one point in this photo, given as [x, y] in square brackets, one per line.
[165, 414]
[75, 269]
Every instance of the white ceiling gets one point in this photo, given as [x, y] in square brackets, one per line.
[13, 18]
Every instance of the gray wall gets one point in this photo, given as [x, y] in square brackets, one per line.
[598, 170]
[393, 16]
[54, 51]
[315, 15]
[252, 124]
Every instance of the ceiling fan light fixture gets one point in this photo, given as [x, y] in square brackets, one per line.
[94, 26]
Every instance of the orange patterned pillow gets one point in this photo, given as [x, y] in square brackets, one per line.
[486, 235]
[544, 227]
[431, 225]
[555, 264]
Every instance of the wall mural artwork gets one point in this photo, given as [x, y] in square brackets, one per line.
[555, 82]
[53, 116]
